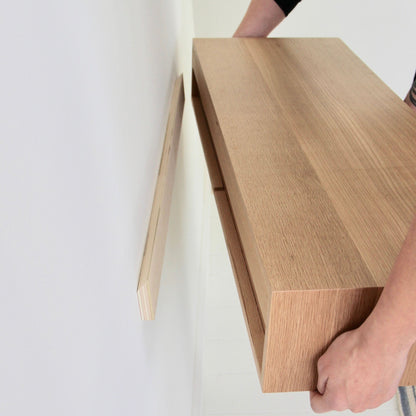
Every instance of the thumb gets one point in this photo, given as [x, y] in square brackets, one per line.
[318, 402]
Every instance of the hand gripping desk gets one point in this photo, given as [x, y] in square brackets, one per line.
[312, 161]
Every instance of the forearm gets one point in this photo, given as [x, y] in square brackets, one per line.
[261, 18]
[393, 320]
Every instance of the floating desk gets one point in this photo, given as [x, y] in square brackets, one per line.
[312, 161]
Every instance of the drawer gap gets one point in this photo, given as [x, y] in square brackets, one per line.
[249, 302]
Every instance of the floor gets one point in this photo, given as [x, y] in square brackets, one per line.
[230, 385]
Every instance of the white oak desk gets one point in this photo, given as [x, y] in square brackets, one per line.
[312, 161]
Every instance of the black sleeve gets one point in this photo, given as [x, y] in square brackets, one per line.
[412, 92]
[287, 5]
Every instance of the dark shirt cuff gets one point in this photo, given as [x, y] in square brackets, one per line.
[287, 5]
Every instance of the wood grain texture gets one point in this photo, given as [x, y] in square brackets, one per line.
[301, 327]
[206, 140]
[248, 301]
[318, 159]
[247, 237]
[358, 136]
[152, 262]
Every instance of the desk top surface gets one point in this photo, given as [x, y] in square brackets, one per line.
[323, 153]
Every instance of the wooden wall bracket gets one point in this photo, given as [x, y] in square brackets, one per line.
[152, 262]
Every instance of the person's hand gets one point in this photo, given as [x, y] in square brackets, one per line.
[359, 371]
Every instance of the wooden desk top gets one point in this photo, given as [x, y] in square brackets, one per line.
[324, 155]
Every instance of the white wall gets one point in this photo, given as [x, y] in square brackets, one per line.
[380, 32]
[84, 94]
